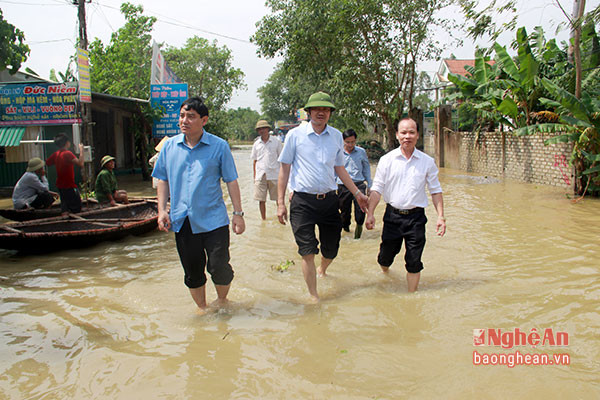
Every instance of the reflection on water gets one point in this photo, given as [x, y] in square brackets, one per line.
[115, 320]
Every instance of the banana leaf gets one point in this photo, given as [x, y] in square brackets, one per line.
[567, 100]
[507, 62]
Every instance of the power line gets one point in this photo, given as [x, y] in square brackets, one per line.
[183, 24]
[20, 3]
[97, 7]
[51, 41]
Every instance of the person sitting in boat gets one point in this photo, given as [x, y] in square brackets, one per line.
[106, 184]
[32, 190]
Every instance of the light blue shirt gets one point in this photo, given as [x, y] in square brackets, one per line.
[28, 188]
[313, 158]
[357, 165]
[194, 176]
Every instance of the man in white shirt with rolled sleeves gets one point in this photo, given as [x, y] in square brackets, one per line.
[265, 152]
[401, 177]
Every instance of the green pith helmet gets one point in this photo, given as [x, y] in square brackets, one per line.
[106, 159]
[34, 164]
[319, 99]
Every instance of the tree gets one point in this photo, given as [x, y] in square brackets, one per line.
[483, 24]
[579, 123]
[122, 68]
[241, 123]
[534, 93]
[67, 76]
[13, 52]
[423, 86]
[283, 94]
[510, 91]
[363, 52]
[208, 71]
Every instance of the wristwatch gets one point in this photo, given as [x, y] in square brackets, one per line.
[240, 213]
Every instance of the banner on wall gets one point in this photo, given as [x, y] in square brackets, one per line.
[39, 104]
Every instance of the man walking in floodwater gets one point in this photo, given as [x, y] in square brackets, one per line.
[265, 151]
[401, 177]
[189, 170]
[359, 169]
[312, 156]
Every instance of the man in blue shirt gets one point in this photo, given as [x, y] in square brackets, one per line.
[189, 170]
[359, 169]
[311, 157]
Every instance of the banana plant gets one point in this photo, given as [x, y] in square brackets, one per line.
[476, 89]
[510, 90]
[579, 123]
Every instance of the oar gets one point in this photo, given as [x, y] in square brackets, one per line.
[13, 230]
[77, 217]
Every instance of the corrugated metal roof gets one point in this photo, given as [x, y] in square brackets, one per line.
[10, 136]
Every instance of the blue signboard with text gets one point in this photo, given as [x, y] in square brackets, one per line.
[170, 97]
[39, 103]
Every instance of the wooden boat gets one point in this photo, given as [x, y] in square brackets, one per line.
[53, 211]
[80, 230]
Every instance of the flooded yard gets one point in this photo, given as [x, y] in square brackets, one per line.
[115, 321]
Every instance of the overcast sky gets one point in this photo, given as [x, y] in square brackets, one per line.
[50, 28]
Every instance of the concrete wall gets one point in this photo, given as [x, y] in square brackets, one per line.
[503, 155]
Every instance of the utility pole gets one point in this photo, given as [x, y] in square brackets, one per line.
[578, 11]
[86, 108]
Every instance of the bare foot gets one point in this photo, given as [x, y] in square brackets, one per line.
[200, 311]
[321, 273]
[385, 270]
[313, 299]
[220, 303]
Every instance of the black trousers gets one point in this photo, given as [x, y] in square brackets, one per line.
[306, 211]
[70, 200]
[346, 201]
[208, 250]
[43, 200]
[398, 228]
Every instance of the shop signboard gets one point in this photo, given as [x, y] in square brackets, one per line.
[170, 97]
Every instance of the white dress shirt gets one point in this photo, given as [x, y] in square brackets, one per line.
[266, 155]
[402, 181]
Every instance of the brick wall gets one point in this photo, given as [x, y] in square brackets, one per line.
[524, 158]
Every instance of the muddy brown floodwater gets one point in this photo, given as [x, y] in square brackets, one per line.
[115, 321]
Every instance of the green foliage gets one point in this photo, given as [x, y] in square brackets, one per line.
[580, 124]
[364, 53]
[241, 123]
[207, 69]
[13, 50]
[122, 68]
[283, 94]
[67, 76]
[467, 115]
[533, 93]
[482, 22]
[283, 266]
[510, 92]
[373, 149]
[423, 100]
